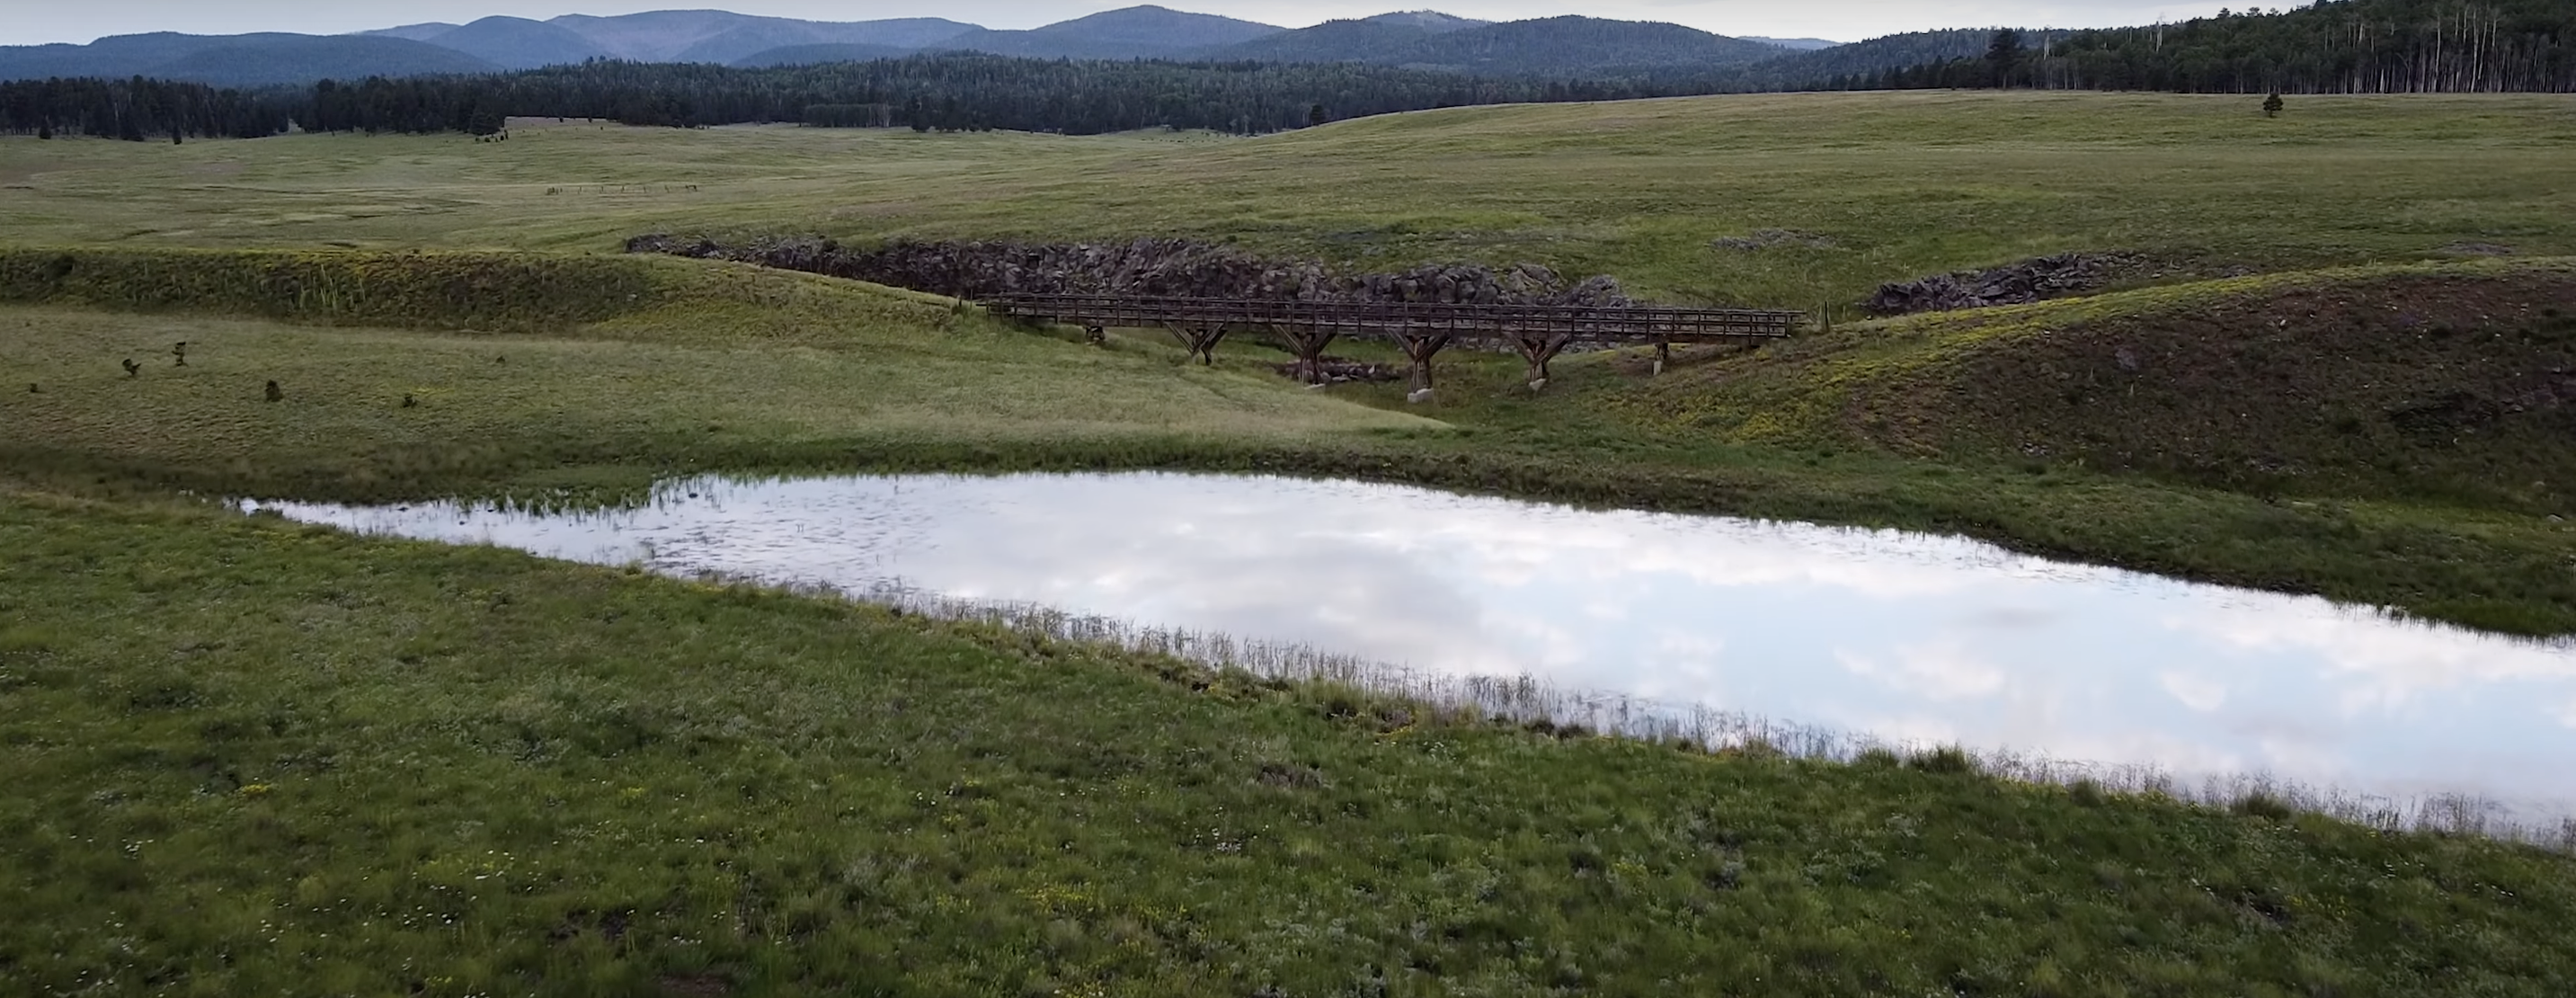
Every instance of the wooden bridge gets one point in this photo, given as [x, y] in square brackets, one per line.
[1421, 329]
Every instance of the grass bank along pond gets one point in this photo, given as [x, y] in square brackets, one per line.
[1662, 626]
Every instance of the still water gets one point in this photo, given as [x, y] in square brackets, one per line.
[1904, 637]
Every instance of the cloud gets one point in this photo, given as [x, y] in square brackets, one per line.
[2196, 692]
[1938, 671]
[2384, 665]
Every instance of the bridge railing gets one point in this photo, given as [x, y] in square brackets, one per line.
[1596, 323]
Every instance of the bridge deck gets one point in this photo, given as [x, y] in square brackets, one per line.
[1630, 324]
[1538, 332]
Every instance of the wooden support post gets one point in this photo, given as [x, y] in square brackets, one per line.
[1309, 344]
[1201, 342]
[1538, 350]
[1419, 348]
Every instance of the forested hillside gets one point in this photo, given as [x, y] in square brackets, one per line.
[1848, 66]
[947, 92]
[1582, 46]
[1560, 47]
[2336, 46]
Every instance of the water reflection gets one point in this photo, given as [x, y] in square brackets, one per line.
[1901, 636]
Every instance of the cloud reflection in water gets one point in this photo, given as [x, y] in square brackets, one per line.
[1897, 635]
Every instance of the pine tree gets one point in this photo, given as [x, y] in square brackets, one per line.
[2272, 106]
[2003, 53]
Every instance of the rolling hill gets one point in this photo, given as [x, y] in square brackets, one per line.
[1913, 48]
[1555, 46]
[421, 32]
[519, 43]
[1384, 38]
[1133, 32]
[722, 36]
[1579, 46]
[815, 55]
[1797, 44]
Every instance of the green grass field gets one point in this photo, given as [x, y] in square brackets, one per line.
[256, 757]
[1904, 184]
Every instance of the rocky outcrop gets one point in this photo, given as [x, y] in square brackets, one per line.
[1144, 267]
[2036, 279]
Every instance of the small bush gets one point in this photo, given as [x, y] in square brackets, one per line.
[2264, 804]
[1946, 759]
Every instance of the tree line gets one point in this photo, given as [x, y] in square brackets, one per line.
[947, 92]
[137, 109]
[2335, 46]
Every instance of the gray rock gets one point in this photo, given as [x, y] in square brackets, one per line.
[2036, 279]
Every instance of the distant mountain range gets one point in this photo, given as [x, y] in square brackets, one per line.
[1550, 47]
[238, 60]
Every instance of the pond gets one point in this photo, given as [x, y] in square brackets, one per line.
[1902, 638]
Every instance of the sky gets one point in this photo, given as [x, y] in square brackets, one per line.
[31, 22]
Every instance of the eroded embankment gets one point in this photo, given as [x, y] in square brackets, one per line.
[1143, 267]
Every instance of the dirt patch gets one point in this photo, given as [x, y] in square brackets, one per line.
[1180, 268]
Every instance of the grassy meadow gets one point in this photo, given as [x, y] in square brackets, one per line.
[1902, 184]
[256, 757]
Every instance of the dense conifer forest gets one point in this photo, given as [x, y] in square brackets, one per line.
[138, 109]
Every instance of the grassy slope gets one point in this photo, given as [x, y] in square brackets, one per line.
[312, 763]
[717, 366]
[1904, 183]
[2445, 383]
